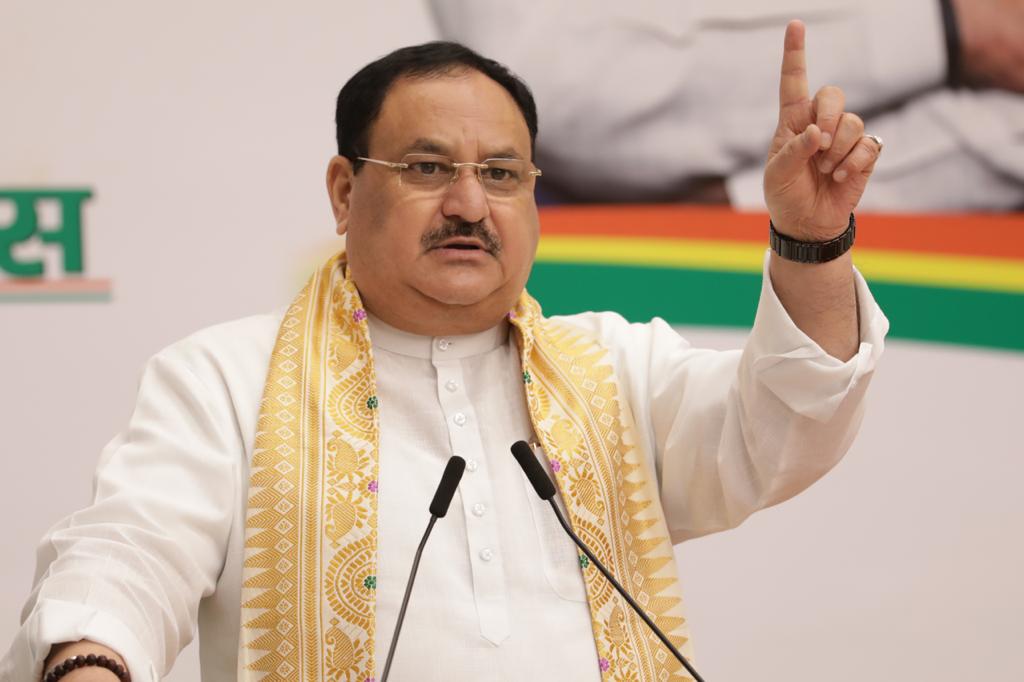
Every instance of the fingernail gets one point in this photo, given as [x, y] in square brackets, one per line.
[839, 175]
[826, 140]
[825, 167]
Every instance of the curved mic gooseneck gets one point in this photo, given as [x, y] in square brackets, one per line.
[546, 491]
[438, 508]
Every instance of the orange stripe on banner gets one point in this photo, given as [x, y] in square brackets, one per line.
[984, 235]
[55, 286]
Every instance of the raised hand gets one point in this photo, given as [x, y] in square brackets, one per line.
[820, 160]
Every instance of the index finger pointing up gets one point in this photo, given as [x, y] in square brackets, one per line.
[793, 83]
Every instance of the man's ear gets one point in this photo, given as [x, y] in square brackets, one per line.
[339, 189]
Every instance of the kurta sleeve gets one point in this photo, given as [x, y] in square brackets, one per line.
[129, 570]
[732, 432]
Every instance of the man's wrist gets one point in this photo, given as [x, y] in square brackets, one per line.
[66, 650]
[88, 667]
[811, 252]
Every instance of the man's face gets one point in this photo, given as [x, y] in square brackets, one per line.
[439, 262]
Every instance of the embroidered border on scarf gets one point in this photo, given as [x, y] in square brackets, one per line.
[309, 576]
[612, 499]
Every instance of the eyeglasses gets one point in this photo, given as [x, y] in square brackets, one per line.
[435, 173]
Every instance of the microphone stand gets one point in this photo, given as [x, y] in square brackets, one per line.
[438, 508]
[615, 583]
[405, 599]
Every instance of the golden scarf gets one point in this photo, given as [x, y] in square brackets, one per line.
[309, 576]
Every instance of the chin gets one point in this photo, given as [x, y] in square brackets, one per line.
[458, 296]
[470, 292]
[465, 288]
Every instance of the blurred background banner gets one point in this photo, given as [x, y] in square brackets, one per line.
[950, 278]
[37, 218]
[151, 150]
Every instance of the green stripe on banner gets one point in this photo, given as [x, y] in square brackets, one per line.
[728, 299]
[973, 317]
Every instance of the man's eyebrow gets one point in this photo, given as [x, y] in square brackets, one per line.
[425, 145]
[507, 153]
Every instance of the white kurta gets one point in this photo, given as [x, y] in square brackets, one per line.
[499, 585]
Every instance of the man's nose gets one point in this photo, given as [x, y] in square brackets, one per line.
[466, 198]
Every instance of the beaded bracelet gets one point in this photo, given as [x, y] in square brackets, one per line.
[92, 660]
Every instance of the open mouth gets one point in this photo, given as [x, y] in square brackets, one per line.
[462, 245]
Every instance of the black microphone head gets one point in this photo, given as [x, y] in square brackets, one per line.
[533, 470]
[446, 488]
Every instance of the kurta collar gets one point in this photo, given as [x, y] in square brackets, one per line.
[386, 337]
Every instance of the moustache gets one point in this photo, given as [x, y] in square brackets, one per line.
[461, 228]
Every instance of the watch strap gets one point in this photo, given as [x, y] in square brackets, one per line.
[811, 252]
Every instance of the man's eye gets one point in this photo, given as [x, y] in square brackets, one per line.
[426, 167]
[500, 174]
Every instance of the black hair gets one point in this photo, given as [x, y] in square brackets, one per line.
[361, 98]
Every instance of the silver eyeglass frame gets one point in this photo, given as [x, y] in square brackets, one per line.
[456, 165]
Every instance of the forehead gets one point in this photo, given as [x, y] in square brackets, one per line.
[462, 113]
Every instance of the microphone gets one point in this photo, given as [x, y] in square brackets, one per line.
[546, 491]
[533, 470]
[446, 488]
[438, 508]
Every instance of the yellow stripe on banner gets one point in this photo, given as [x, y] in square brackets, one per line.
[954, 272]
[672, 253]
[901, 267]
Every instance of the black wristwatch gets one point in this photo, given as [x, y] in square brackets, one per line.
[811, 252]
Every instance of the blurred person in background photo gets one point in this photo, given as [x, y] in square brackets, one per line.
[272, 479]
[940, 80]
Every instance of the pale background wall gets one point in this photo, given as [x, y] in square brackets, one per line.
[204, 130]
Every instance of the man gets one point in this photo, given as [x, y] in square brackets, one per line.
[299, 492]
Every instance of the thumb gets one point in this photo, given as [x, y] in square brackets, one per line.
[789, 161]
